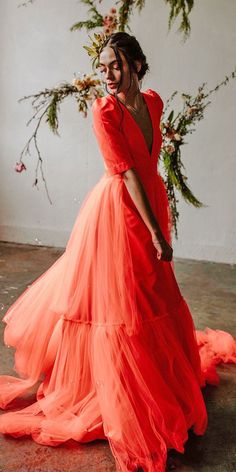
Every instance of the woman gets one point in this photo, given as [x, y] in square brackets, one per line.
[106, 329]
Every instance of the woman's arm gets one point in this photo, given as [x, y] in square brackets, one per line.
[138, 195]
[119, 159]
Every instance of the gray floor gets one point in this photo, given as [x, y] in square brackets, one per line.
[210, 290]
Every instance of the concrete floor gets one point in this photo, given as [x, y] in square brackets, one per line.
[210, 290]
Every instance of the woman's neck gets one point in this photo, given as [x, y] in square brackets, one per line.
[132, 98]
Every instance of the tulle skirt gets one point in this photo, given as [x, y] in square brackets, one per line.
[107, 333]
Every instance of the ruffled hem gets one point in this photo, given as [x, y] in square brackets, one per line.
[215, 347]
[142, 392]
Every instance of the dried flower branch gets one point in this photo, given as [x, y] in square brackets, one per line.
[46, 104]
[26, 3]
[174, 129]
[119, 19]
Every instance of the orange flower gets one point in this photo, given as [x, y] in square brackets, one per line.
[85, 83]
[177, 137]
[78, 84]
[191, 110]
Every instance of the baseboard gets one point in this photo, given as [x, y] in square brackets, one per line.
[205, 252]
[36, 236]
[58, 238]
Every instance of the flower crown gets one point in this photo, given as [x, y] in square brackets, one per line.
[97, 44]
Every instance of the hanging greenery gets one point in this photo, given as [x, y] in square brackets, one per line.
[174, 129]
[95, 20]
[120, 16]
[125, 9]
[176, 8]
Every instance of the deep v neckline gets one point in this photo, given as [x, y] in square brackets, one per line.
[144, 94]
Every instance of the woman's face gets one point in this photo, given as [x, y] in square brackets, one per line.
[110, 72]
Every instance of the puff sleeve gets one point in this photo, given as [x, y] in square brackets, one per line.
[111, 140]
[158, 100]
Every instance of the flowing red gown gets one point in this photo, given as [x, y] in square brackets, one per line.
[105, 329]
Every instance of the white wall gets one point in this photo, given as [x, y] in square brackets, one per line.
[38, 51]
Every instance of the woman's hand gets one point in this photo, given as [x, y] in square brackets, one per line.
[164, 250]
[138, 194]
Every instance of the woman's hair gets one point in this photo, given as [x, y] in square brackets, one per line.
[132, 52]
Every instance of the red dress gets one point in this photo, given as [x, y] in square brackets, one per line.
[105, 329]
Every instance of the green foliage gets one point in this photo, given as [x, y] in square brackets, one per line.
[174, 129]
[96, 19]
[176, 180]
[52, 113]
[125, 8]
[125, 11]
[176, 8]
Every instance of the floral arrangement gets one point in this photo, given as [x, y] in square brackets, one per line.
[120, 17]
[174, 130]
[87, 88]
[46, 104]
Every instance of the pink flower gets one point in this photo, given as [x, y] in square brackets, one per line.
[107, 30]
[20, 166]
[106, 22]
[170, 149]
[110, 21]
